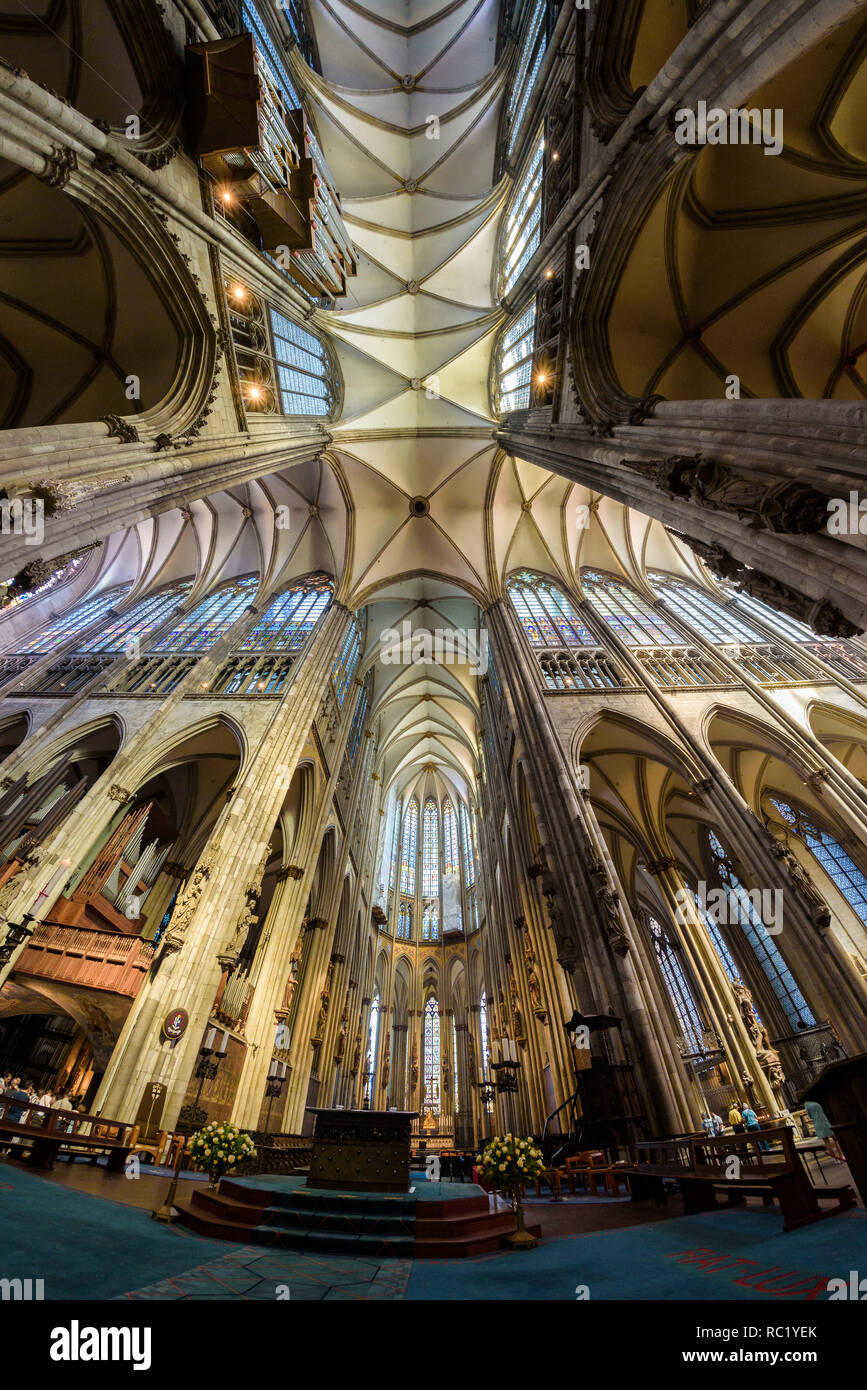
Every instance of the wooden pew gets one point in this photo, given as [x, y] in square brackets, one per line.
[701, 1165]
[41, 1133]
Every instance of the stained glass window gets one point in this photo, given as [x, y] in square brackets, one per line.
[430, 925]
[122, 633]
[451, 861]
[779, 976]
[467, 842]
[513, 357]
[483, 1030]
[54, 581]
[66, 625]
[432, 1056]
[198, 630]
[395, 837]
[719, 942]
[359, 718]
[830, 854]
[409, 848]
[347, 660]
[628, 613]
[370, 1061]
[717, 621]
[533, 45]
[546, 614]
[678, 988]
[455, 1067]
[252, 21]
[523, 222]
[291, 618]
[404, 922]
[783, 623]
[430, 879]
[303, 375]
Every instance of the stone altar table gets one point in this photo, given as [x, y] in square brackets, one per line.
[361, 1150]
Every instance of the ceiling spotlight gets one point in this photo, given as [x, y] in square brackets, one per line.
[238, 292]
[555, 155]
[549, 274]
[541, 378]
[254, 393]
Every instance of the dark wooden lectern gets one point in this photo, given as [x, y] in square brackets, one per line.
[841, 1090]
[361, 1150]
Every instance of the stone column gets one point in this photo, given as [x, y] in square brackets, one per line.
[189, 971]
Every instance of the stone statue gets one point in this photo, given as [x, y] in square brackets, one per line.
[242, 926]
[769, 1060]
[535, 991]
[471, 1057]
[356, 1055]
[321, 1018]
[413, 1070]
[744, 1000]
[529, 953]
[185, 907]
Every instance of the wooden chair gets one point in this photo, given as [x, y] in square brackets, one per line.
[551, 1176]
[154, 1148]
[587, 1167]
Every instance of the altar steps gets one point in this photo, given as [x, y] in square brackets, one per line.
[348, 1225]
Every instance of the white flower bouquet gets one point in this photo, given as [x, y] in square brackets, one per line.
[218, 1148]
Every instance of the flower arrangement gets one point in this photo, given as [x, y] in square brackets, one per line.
[218, 1148]
[507, 1164]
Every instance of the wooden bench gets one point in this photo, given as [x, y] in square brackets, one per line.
[42, 1133]
[768, 1166]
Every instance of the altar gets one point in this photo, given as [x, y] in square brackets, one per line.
[361, 1150]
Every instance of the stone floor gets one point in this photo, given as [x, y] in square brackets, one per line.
[248, 1272]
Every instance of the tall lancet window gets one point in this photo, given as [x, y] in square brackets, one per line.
[66, 625]
[483, 1030]
[513, 357]
[291, 618]
[840, 868]
[467, 842]
[741, 910]
[128, 629]
[685, 1007]
[372, 1044]
[523, 222]
[347, 660]
[628, 613]
[533, 44]
[451, 861]
[432, 1056]
[395, 839]
[202, 626]
[430, 923]
[430, 879]
[546, 614]
[409, 848]
[404, 922]
[717, 621]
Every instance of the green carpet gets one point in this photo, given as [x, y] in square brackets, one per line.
[93, 1248]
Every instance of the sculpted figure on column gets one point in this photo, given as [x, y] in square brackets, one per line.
[186, 906]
